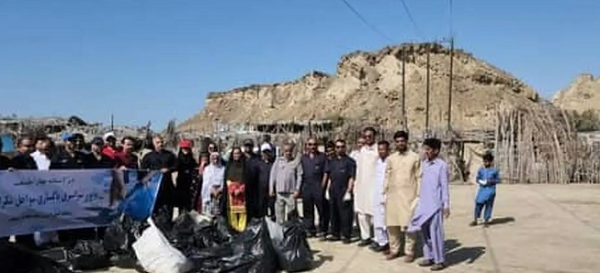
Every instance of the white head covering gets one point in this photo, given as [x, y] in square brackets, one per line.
[107, 135]
[265, 147]
[213, 176]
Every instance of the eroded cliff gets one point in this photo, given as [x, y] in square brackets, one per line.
[368, 86]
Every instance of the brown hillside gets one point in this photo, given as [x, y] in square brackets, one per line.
[582, 94]
[367, 86]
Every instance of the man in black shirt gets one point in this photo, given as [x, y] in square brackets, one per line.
[24, 161]
[165, 162]
[252, 183]
[341, 171]
[96, 159]
[68, 158]
[265, 202]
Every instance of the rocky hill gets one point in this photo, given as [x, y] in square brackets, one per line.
[367, 86]
[582, 94]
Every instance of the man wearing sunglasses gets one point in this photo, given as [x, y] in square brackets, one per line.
[341, 172]
[314, 181]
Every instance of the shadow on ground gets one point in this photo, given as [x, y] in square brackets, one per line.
[456, 253]
[320, 259]
[502, 220]
[464, 254]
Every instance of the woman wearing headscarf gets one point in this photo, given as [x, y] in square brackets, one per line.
[236, 191]
[212, 185]
[186, 167]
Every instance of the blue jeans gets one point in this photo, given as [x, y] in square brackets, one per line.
[487, 207]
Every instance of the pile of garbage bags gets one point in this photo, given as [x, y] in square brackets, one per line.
[191, 244]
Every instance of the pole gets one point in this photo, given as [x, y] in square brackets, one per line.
[112, 122]
[449, 125]
[404, 119]
[427, 93]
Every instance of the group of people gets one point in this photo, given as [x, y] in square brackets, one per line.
[392, 195]
[41, 154]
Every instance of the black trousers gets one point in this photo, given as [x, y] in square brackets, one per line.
[342, 215]
[311, 198]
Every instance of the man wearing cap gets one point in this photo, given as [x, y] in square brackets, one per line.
[265, 202]
[266, 139]
[110, 149]
[68, 158]
[252, 161]
[96, 159]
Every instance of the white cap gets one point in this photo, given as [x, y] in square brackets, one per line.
[265, 147]
[107, 135]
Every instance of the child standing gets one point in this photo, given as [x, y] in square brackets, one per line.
[487, 178]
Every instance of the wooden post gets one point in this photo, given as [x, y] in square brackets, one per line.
[449, 125]
[404, 118]
[427, 92]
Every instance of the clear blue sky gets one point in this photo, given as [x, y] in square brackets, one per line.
[156, 60]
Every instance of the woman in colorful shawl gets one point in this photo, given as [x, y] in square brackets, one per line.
[212, 185]
[234, 205]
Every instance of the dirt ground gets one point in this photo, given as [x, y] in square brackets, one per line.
[539, 228]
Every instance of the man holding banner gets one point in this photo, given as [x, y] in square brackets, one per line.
[33, 201]
[165, 162]
[23, 161]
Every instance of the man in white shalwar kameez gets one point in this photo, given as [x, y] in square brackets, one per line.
[364, 185]
[381, 243]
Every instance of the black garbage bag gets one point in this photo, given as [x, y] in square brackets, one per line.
[88, 255]
[119, 238]
[15, 259]
[293, 252]
[181, 235]
[188, 236]
[163, 219]
[248, 252]
[223, 229]
[116, 238]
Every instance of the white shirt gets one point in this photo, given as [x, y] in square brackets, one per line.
[41, 160]
[379, 180]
